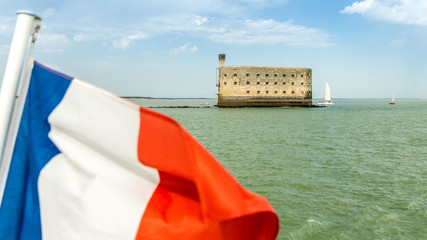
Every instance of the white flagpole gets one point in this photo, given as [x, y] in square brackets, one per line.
[27, 26]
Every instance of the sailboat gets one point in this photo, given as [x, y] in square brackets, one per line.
[327, 100]
[392, 100]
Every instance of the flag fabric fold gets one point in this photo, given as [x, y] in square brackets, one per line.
[90, 165]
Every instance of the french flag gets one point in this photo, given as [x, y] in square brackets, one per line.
[90, 165]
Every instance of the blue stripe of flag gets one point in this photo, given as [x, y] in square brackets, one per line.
[20, 210]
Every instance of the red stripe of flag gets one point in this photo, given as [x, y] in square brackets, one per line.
[196, 198]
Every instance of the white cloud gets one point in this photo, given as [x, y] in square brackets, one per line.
[222, 30]
[184, 48]
[216, 29]
[398, 42]
[269, 31]
[121, 43]
[7, 25]
[240, 31]
[4, 28]
[124, 42]
[52, 42]
[215, 20]
[81, 37]
[194, 49]
[200, 21]
[48, 12]
[180, 23]
[180, 49]
[410, 12]
[115, 38]
[4, 49]
[100, 64]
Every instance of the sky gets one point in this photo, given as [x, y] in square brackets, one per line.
[169, 48]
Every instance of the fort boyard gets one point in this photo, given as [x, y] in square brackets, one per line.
[249, 86]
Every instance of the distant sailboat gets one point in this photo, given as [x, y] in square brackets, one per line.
[327, 100]
[392, 100]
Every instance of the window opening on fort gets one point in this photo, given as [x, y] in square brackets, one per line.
[266, 92]
[258, 92]
[275, 74]
[257, 74]
[284, 75]
[266, 75]
[248, 92]
[257, 83]
[266, 83]
[292, 83]
[284, 83]
[225, 83]
[275, 83]
[235, 83]
[275, 92]
[302, 75]
[302, 83]
[247, 83]
[247, 74]
[225, 75]
[293, 92]
[284, 91]
[235, 75]
[293, 75]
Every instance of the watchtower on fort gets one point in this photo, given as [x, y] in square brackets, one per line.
[252, 86]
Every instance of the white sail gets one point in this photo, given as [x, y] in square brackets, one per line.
[392, 100]
[327, 100]
[327, 93]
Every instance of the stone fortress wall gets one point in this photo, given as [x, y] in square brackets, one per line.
[250, 86]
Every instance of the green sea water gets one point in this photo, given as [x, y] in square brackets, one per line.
[356, 170]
